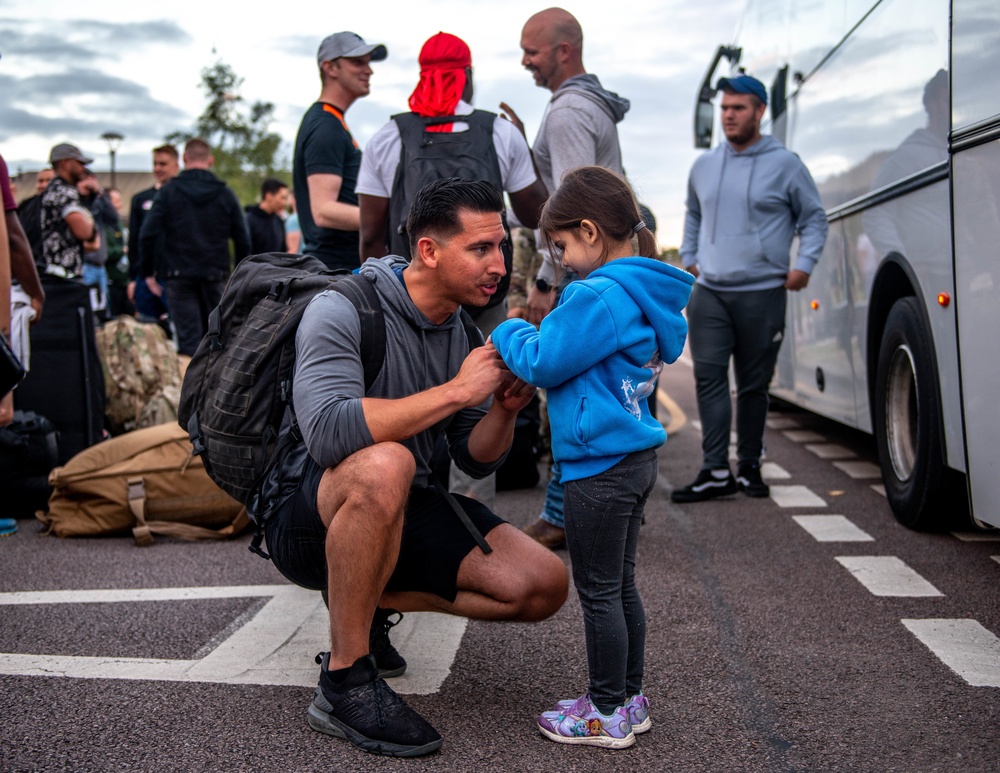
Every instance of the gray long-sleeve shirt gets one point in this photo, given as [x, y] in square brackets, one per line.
[329, 374]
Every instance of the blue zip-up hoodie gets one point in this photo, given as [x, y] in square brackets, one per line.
[598, 354]
[743, 210]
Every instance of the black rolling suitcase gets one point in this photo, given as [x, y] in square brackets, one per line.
[65, 383]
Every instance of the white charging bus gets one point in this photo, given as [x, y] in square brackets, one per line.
[894, 106]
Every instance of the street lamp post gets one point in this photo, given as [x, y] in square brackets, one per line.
[114, 140]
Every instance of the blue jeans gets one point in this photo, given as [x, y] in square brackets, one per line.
[552, 510]
[97, 276]
[603, 516]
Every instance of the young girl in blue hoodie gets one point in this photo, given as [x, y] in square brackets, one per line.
[598, 355]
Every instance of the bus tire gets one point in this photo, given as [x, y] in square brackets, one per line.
[907, 420]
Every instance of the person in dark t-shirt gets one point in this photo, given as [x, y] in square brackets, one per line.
[267, 228]
[327, 157]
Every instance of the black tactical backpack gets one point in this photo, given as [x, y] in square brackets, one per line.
[428, 156]
[239, 382]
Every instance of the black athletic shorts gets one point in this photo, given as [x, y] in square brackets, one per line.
[433, 545]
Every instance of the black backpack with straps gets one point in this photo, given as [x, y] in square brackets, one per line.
[239, 382]
[426, 156]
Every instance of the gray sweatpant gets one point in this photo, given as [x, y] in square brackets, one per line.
[748, 327]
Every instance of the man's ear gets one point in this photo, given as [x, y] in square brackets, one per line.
[427, 251]
[588, 232]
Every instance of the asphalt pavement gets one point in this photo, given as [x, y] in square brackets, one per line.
[780, 639]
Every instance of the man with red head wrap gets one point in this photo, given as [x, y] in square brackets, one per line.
[445, 89]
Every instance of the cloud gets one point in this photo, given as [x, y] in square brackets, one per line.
[75, 41]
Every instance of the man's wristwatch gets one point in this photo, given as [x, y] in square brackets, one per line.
[543, 286]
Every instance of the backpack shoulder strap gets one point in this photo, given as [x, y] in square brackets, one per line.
[360, 290]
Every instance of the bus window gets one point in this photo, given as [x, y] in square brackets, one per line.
[869, 97]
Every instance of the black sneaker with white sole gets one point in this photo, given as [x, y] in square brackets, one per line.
[364, 710]
[706, 486]
[748, 476]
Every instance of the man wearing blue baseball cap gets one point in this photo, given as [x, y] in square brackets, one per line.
[746, 199]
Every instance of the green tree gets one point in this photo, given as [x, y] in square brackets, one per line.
[245, 149]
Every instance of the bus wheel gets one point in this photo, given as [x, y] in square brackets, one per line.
[907, 424]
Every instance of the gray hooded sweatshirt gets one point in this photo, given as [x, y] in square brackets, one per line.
[579, 129]
[329, 375]
[743, 210]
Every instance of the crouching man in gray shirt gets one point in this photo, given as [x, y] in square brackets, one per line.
[365, 522]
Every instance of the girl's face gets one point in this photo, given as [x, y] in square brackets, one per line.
[582, 248]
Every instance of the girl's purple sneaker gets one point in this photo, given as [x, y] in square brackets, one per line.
[637, 707]
[582, 723]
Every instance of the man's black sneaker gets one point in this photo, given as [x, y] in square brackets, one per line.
[390, 662]
[364, 710]
[706, 486]
[748, 476]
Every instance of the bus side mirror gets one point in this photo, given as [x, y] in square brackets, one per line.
[704, 111]
[703, 118]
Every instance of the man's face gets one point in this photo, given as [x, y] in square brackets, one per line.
[353, 73]
[470, 264]
[43, 179]
[540, 55]
[741, 116]
[274, 203]
[72, 171]
[165, 167]
[116, 199]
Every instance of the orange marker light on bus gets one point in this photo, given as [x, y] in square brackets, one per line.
[943, 300]
[814, 305]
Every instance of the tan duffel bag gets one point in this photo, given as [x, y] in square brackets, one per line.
[146, 480]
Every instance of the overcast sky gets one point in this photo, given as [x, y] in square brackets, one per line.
[71, 71]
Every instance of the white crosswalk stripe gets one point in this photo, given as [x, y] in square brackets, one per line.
[832, 528]
[773, 471]
[878, 488]
[887, 576]
[965, 646]
[859, 470]
[977, 536]
[830, 451]
[803, 436]
[795, 496]
[782, 422]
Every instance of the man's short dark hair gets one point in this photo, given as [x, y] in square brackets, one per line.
[271, 185]
[436, 206]
[169, 150]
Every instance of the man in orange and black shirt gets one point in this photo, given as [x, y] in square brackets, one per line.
[327, 158]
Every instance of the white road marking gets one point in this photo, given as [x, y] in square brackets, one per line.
[782, 422]
[773, 471]
[879, 488]
[977, 536]
[795, 496]
[803, 436]
[830, 451]
[832, 528]
[275, 647]
[887, 576]
[965, 646]
[696, 423]
[859, 470]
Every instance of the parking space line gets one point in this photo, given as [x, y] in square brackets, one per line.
[830, 451]
[887, 576]
[859, 470]
[782, 422]
[878, 488]
[773, 471]
[977, 536]
[965, 646]
[274, 647]
[803, 436]
[795, 496]
[832, 528]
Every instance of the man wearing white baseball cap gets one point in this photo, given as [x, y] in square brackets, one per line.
[327, 158]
